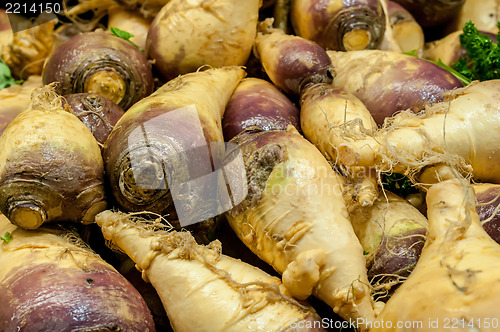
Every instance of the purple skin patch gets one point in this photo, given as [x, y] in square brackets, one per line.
[408, 84]
[46, 297]
[98, 113]
[491, 199]
[260, 105]
[302, 62]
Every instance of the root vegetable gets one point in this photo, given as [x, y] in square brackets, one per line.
[392, 233]
[172, 136]
[16, 99]
[131, 22]
[187, 35]
[291, 62]
[98, 113]
[388, 82]
[201, 289]
[294, 218]
[51, 281]
[431, 13]
[339, 25]
[49, 171]
[256, 102]
[488, 202]
[26, 50]
[485, 15]
[98, 62]
[460, 131]
[456, 277]
[408, 33]
[325, 114]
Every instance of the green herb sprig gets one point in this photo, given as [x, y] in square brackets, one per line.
[7, 237]
[483, 55]
[124, 35]
[6, 78]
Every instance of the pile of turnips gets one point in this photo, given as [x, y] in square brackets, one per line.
[276, 165]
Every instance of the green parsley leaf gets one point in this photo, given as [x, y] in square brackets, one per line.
[398, 184]
[7, 237]
[124, 35]
[6, 78]
[483, 55]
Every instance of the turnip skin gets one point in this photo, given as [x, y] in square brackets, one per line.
[202, 289]
[408, 33]
[460, 131]
[130, 21]
[487, 196]
[99, 62]
[16, 99]
[256, 102]
[325, 114]
[431, 13]
[51, 282]
[49, 172]
[456, 276]
[330, 23]
[98, 113]
[205, 92]
[291, 62]
[294, 214]
[186, 35]
[388, 82]
[483, 13]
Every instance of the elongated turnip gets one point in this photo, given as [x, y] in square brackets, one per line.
[171, 137]
[325, 114]
[99, 62]
[456, 277]
[295, 218]
[388, 82]
[201, 289]
[339, 25]
[256, 102]
[408, 33]
[459, 131]
[291, 62]
[49, 171]
[51, 281]
[186, 35]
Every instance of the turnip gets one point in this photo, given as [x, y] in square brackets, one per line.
[295, 218]
[26, 50]
[460, 131]
[51, 281]
[392, 233]
[256, 102]
[339, 25]
[291, 62]
[51, 167]
[16, 99]
[167, 139]
[325, 114]
[487, 197]
[388, 82]
[201, 289]
[186, 35]
[130, 21]
[98, 113]
[408, 33]
[483, 13]
[431, 13]
[455, 280]
[99, 62]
